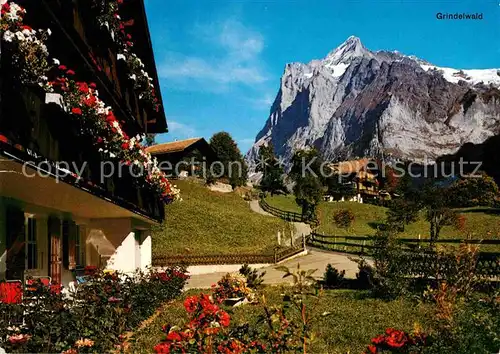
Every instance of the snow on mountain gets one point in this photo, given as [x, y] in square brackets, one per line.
[356, 102]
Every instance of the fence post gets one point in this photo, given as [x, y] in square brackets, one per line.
[303, 242]
[275, 256]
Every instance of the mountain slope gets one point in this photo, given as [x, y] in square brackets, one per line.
[357, 102]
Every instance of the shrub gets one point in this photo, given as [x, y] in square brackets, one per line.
[230, 286]
[464, 326]
[343, 218]
[93, 319]
[253, 277]
[206, 329]
[364, 276]
[332, 277]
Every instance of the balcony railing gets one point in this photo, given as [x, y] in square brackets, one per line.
[37, 132]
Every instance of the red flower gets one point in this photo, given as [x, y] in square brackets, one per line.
[91, 101]
[27, 28]
[190, 304]
[3, 139]
[119, 2]
[130, 44]
[99, 140]
[372, 349]
[62, 67]
[82, 86]
[19, 339]
[378, 339]
[76, 111]
[163, 348]
[174, 336]
[125, 146]
[110, 118]
[70, 72]
[5, 8]
[224, 318]
[396, 339]
[93, 85]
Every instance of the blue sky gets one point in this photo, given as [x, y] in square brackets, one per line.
[220, 62]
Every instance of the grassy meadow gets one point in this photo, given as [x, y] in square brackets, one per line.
[207, 222]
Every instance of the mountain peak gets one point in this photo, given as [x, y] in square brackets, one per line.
[351, 48]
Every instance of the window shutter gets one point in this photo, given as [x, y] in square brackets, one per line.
[16, 244]
[65, 244]
[73, 234]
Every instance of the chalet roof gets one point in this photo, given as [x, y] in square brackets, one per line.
[174, 146]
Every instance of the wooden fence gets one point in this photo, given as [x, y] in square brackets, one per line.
[488, 262]
[286, 215]
[217, 259]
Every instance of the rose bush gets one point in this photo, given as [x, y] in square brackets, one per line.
[394, 340]
[93, 319]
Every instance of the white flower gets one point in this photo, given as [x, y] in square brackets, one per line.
[121, 57]
[8, 36]
[56, 61]
[49, 32]
[20, 36]
[133, 77]
[112, 155]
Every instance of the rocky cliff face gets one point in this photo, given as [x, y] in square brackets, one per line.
[357, 102]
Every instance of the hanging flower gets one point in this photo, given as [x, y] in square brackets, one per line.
[76, 111]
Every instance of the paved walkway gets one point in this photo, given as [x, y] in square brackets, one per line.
[315, 259]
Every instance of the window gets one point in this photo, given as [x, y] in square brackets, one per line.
[78, 247]
[31, 247]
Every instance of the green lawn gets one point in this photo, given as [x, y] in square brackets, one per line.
[207, 222]
[283, 202]
[481, 223]
[354, 319]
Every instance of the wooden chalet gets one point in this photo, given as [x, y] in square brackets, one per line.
[360, 176]
[180, 154]
[53, 226]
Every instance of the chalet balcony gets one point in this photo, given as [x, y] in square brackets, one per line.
[32, 130]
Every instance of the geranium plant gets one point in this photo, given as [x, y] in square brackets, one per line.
[109, 18]
[79, 99]
[26, 45]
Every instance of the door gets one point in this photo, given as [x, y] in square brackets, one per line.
[55, 256]
[16, 246]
